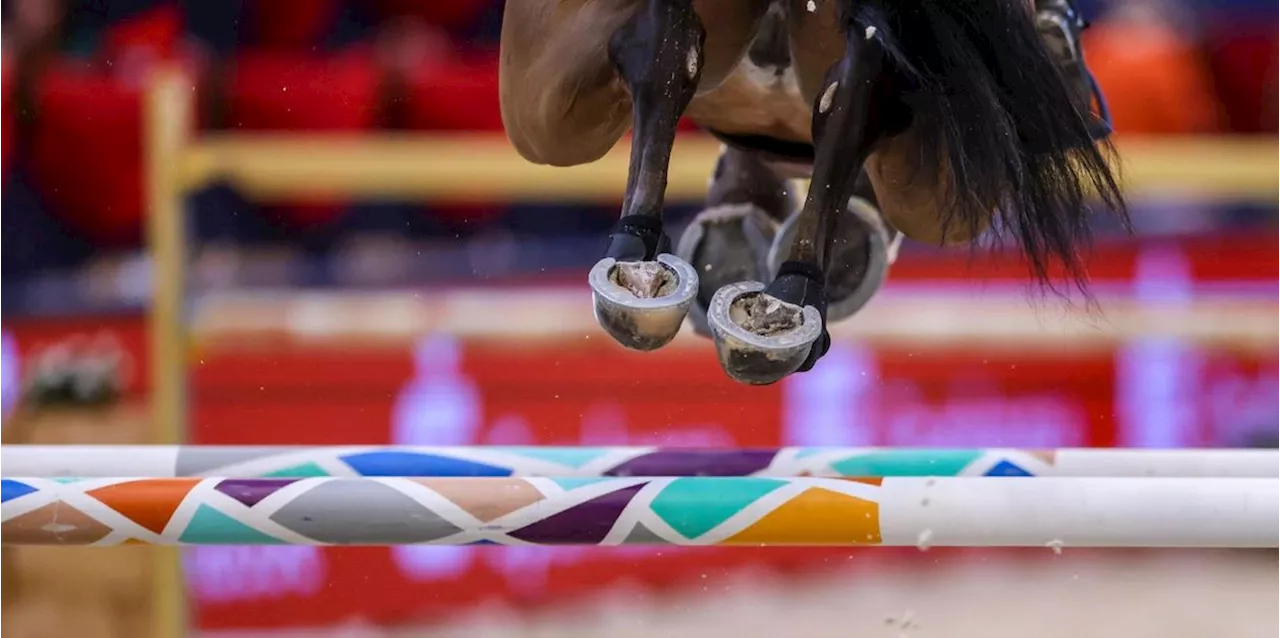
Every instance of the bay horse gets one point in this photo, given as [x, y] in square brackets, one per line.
[939, 120]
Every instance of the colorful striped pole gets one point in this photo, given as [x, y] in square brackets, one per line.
[899, 511]
[297, 462]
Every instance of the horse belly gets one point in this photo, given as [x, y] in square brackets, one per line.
[755, 101]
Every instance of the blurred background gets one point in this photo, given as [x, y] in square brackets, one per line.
[324, 320]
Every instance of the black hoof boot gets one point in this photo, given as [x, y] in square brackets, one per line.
[764, 334]
[1060, 25]
[641, 294]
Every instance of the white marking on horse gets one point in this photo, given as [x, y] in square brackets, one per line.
[811, 6]
[691, 63]
[773, 80]
[870, 32]
[828, 97]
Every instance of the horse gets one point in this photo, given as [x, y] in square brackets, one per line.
[939, 120]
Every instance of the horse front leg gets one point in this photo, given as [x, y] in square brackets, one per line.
[641, 292]
[764, 333]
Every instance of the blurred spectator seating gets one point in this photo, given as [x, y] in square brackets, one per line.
[1243, 58]
[8, 117]
[287, 90]
[297, 25]
[86, 134]
[354, 66]
[455, 16]
[86, 151]
[1153, 75]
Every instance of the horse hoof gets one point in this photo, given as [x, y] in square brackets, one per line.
[725, 245]
[863, 248]
[759, 338]
[642, 303]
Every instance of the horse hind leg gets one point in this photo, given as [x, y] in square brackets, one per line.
[861, 247]
[729, 240]
[864, 242]
[764, 333]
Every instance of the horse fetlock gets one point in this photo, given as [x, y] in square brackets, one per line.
[642, 304]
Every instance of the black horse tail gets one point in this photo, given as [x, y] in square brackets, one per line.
[998, 122]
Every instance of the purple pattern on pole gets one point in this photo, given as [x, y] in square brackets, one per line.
[585, 523]
[696, 463]
[251, 491]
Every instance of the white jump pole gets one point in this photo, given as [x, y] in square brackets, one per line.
[898, 511]
[367, 460]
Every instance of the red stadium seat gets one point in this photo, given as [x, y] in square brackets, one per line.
[281, 91]
[460, 95]
[1244, 63]
[87, 152]
[452, 15]
[8, 116]
[290, 24]
[154, 36]
[278, 90]
[1155, 82]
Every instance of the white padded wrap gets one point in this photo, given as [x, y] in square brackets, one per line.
[760, 243]
[692, 236]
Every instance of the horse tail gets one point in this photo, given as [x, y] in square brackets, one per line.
[996, 120]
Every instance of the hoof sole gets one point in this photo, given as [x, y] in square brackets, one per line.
[642, 304]
[760, 339]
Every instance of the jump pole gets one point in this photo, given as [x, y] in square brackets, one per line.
[897, 511]
[367, 460]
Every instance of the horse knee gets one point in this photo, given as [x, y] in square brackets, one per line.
[560, 124]
[548, 154]
[544, 145]
[562, 103]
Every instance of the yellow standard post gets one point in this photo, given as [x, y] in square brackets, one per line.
[167, 121]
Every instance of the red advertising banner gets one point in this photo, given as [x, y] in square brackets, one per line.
[445, 393]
